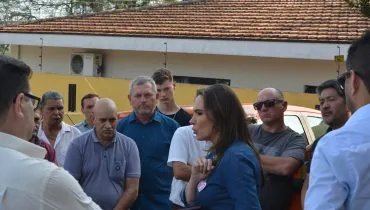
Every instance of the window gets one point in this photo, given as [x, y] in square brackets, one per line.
[293, 122]
[200, 80]
[310, 89]
[318, 126]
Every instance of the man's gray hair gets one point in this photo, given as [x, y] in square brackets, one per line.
[142, 80]
[50, 95]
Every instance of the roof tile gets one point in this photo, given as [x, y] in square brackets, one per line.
[271, 20]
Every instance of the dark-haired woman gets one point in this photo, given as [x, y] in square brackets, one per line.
[230, 177]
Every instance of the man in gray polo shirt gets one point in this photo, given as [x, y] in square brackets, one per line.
[105, 162]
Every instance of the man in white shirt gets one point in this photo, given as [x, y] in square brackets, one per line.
[27, 181]
[339, 177]
[53, 130]
[185, 149]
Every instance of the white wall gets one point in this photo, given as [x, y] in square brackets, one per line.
[244, 72]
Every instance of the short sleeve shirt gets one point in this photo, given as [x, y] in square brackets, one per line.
[153, 140]
[64, 138]
[102, 169]
[187, 149]
[181, 117]
[277, 190]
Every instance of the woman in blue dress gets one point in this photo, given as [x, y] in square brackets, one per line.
[230, 177]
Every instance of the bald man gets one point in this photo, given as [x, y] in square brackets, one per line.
[105, 162]
[282, 150]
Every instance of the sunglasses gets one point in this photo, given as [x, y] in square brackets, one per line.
[342, 79]
[268, 103]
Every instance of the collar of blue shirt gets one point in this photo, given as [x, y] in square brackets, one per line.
[361, 113]
[156, 117]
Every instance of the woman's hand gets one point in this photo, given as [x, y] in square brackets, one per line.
[201, 169]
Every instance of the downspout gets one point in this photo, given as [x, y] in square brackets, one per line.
[19, 52]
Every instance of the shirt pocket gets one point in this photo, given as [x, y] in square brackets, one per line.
[117, 170]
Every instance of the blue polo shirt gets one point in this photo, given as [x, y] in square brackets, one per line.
[153, 140]
[102, 169]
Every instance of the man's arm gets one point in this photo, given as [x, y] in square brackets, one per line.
[73, 161]
[132, 177]
[284, 166]
[290, 160]
[304, 189]
[129, 195]
[181, 171]
[178, 156]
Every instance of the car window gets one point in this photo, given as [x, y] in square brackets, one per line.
[318, 126]
[293, 122]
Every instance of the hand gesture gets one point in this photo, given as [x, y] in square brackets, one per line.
[201, 169]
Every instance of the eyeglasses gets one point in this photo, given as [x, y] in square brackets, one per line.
[268, 103]
[342, 79]
[34, 99]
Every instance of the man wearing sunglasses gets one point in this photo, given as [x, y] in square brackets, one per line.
[26, 181]
[282, 150]
[339, 175]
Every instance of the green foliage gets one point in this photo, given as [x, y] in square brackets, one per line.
[4, 49]
[362, 5]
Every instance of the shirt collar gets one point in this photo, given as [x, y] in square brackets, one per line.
[85, 124]
[156, 117]
[20, 145]
[95, 137]
[362, 112]
[65, 128]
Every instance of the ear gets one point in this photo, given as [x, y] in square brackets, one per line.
[354, 83]
[156, 96]
[94, 120]
[129, 98]
[174, 85]
[284, 105]
[18, 106]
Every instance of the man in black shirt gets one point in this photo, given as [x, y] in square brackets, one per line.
[167, 105]
[334, 112]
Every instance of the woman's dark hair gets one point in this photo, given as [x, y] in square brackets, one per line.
[225, 110]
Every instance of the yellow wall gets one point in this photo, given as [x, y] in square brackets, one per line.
[117, 89]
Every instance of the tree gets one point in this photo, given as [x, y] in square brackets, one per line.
[362, 5]
[15, 11]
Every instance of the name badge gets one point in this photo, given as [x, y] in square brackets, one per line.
[201, 185]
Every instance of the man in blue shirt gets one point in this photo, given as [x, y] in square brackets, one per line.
[87, 106]
[105, 162]
[339, 177]
[152, 133]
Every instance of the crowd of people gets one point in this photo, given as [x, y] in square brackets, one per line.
[160, 157]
